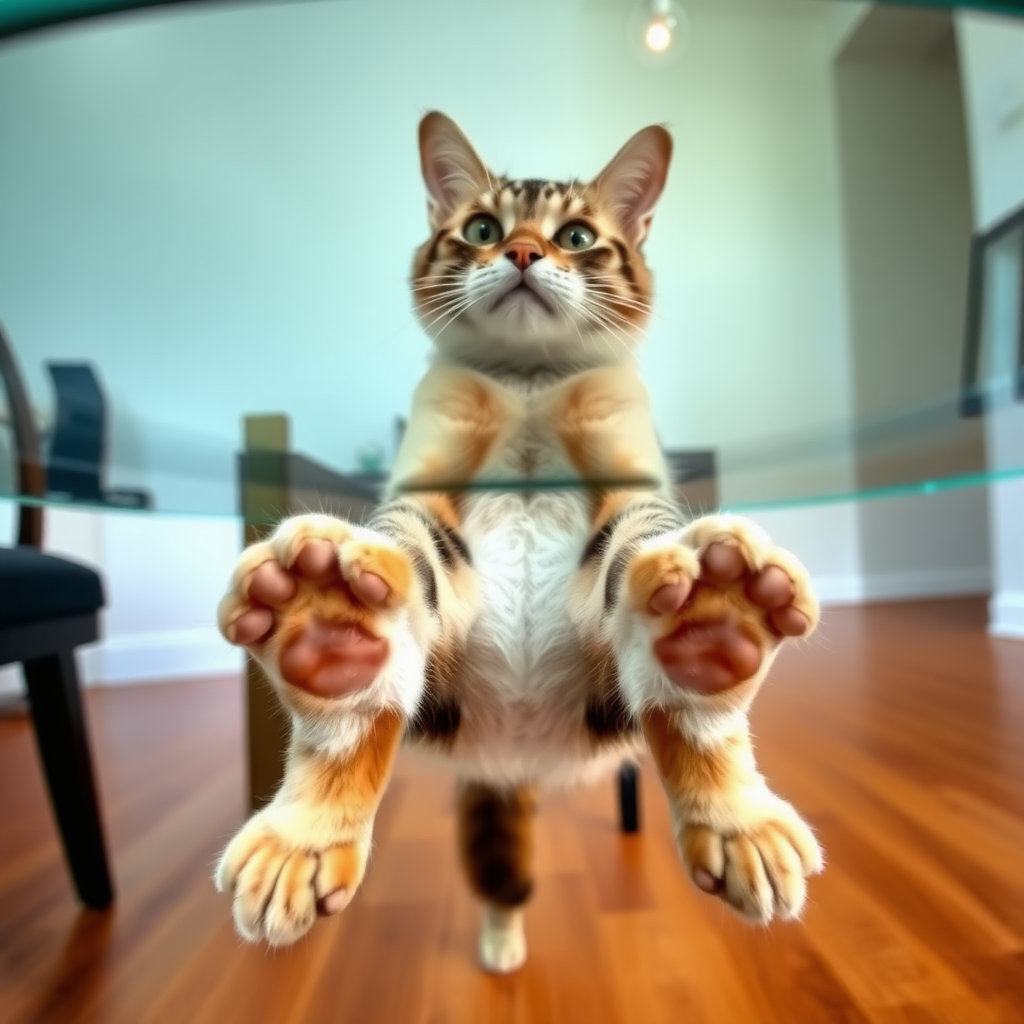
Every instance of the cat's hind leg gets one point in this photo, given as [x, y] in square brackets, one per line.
[495, 836]
[693, 616]
[345, 621]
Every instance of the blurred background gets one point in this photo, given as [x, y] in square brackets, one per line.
[214, 206]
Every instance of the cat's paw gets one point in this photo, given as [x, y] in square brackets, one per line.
[502, 941]
[757, 859]
[718, 597]
[316, 603]
[284, 871]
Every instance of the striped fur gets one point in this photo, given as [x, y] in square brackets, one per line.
[516, 627]
[495, 835]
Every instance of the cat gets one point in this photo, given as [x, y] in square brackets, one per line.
[530, 637]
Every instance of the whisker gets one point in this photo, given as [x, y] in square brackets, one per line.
[453, 310]
[616, 332]
[605, 338]
[458, 312]
[622, 300]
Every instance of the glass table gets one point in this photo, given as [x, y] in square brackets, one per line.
[209, 214]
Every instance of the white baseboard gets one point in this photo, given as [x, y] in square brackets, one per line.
[906, 585]
[1006, 614]
[838, 590]
[11, 681]
[145, 658]
[150, 657]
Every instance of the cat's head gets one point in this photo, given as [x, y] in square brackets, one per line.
[530, 271]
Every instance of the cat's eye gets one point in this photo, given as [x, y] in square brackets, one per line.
[482, 230]
[576, 237]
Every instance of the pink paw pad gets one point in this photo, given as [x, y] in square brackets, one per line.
[711, 653]
[331, 659]
[327, 649]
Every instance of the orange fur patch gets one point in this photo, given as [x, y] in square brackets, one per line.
[480, 418]
[392, 566]
[651, 570]
[605, 430]
[691, 774]
[341, 867]
[457, 419]
[710, 604]
[442, 508]
[609, 505]
[332, 605]
[350, 788]
[336, 605]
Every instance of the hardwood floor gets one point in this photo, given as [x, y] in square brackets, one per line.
[899, 731]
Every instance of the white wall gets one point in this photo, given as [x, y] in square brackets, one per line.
[750, 339]
[992, 56]
[219, 207]
[907, 224]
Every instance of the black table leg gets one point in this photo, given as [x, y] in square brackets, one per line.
[64, 749]
[629, 798]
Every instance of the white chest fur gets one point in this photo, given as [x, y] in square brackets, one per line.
[525, 550]
[524, 687]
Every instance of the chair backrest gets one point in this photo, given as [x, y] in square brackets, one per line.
[30, 475]
[78, 441]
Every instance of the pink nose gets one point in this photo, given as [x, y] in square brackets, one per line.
[522, 254]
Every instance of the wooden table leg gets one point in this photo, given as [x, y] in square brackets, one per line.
[264, 498]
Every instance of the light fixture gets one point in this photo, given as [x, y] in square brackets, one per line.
[661, 23]
[658, 29]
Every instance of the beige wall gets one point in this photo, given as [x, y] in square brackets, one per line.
[906, 196]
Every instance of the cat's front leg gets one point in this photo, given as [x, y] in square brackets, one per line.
[305, 854]
[696, 616]
[342, 619]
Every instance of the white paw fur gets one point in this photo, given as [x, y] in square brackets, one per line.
[759, 852]
[502, 941]
[281, 864]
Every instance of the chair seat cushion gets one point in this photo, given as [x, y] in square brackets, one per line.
[35, 586]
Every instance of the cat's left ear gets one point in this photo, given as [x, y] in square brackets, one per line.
[452, 170]
[632, 183]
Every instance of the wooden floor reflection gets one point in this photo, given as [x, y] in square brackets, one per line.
[899, 731]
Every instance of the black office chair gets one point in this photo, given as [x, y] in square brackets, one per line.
[78, 442]
[48, 607]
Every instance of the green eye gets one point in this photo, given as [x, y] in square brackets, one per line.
[575, 237]
[482, 230]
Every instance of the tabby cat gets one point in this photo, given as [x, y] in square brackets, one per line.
[530, 637]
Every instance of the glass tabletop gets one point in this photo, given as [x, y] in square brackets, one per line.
[210, 213]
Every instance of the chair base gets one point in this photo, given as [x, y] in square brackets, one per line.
[629, 798]
[59, 721]
[46, 651]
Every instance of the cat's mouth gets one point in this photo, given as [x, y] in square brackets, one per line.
[523, 293]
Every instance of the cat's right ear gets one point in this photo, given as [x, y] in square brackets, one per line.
[633, 181]
[451, 168]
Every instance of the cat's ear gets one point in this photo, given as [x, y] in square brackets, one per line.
[451, 168]
[632, 182]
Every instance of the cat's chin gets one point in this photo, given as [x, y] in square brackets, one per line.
[547, 343]
[525, 305]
